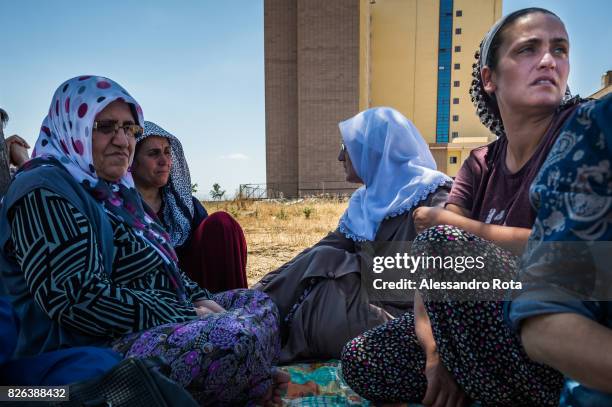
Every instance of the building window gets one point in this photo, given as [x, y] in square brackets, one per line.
[455, 101]
[445, 41]
[457, 66]
[455, 134]
[452, 160]
[456, 84]
[459, 13]
[457, 30]
[455, 118]
[458, 48]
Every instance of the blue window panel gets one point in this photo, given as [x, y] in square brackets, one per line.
[445, 39]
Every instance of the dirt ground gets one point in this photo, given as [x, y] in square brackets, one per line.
[276, 231]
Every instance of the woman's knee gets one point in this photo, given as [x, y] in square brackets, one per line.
[353, 360]
[221, 220]
[443, 233]
[246, 299]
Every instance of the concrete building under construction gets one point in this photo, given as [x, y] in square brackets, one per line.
[327, 60]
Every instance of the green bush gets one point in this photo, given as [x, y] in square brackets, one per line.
[308, 211]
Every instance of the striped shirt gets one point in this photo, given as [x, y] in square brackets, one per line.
[57, 250]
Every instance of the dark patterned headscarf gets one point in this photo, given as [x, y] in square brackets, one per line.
[178, 211]
[486, 105]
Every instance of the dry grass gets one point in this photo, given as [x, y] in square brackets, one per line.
[277, 231]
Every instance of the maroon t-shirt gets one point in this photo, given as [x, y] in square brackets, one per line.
[485, 187]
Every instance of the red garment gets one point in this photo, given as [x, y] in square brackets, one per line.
[217, 254]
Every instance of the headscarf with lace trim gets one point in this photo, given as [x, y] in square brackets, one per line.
[395, 164]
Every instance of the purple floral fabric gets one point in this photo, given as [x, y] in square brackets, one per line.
[222, 359]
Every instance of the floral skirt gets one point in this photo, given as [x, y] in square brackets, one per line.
[475, 344]
[221, 359]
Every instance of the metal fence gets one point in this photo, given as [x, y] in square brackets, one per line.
[295, 190]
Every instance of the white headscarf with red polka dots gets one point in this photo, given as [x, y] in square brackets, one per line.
[66, 135]
[66, 132]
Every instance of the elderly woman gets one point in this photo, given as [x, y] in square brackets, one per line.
[319, 293]
[86, 264]
[450, 351]
[211, 249]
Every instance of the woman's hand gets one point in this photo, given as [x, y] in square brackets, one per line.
[442, 389]
[17, 149]
[510, 238]
[205, 307]
[425, 217]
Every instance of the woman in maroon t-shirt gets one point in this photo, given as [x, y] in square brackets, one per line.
[521, 95]
[449, 352]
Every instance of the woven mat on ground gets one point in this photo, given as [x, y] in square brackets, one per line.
[319, 384]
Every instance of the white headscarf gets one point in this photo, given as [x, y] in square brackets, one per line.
[66, 132]
[395, 164]
[66, 137]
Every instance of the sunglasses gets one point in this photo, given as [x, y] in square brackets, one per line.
[113, 126]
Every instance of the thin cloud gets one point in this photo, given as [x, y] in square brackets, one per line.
[235, 156]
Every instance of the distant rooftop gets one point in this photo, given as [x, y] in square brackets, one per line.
[606, 86]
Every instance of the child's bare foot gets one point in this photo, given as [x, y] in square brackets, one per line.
[280, 382]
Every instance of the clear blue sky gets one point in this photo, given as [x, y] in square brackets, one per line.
[197, 68]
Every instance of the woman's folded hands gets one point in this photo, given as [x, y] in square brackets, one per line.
[205, 307]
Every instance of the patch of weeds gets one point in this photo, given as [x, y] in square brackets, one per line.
[308, 210]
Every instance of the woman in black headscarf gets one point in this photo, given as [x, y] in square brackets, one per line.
[451, 351]
[211, 249]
